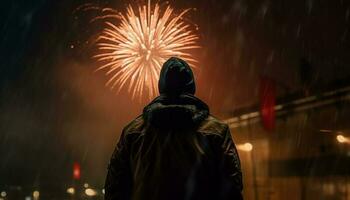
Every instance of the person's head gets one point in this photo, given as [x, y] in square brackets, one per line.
[176, 78]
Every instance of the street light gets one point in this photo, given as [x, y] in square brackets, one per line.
[71, 190]
[36, 195]
[342, 139]
[245, 147]
[90, 192]
[3, 194]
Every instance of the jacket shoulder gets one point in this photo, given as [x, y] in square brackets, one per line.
[135, 126]
[212, 125]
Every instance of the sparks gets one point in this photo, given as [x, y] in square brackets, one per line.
[134, 50]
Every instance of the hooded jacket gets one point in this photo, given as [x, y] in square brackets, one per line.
[175, 150]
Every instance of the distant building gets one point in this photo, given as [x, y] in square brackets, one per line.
[306, 156]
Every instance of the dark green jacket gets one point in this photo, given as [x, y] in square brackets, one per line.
[175, 151]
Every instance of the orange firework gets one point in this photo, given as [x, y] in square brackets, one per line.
[133, 51]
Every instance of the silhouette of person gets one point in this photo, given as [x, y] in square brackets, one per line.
[175, 150]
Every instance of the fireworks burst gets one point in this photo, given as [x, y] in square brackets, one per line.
[134, 50]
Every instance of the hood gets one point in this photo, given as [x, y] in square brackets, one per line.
[178, 112]
[176, 77]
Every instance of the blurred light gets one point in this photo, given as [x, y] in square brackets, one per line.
[1, 198]
[90, 192]
[76, 171]
[268, 103]
[71, 190]
[36, 194]
[3, 194]
[328, 189]
[245, 147]
[86, 185]
[103, 191]
[326, 131]
[342, 139]
[28, 198]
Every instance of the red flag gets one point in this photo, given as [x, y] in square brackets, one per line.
[268, 101]
[76, 171]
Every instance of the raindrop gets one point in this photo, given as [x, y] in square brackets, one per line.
[347, 14]
[309, 6]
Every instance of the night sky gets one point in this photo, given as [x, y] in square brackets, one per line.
[55, 109]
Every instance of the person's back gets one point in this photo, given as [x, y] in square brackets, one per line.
[175, 150]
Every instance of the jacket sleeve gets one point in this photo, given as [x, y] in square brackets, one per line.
[118, 183]
[231, 167]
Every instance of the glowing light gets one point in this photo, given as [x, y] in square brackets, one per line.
[103, 191]
[134, 50]
[76, 171]
[71, 190]
[90, 192]
[342, 139]
[3, 194]
[86, 185]
[245, 147]
[36, 194]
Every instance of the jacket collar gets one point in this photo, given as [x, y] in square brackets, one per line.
[175, 112]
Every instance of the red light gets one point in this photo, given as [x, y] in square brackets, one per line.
[267, 98]
[76, 171]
